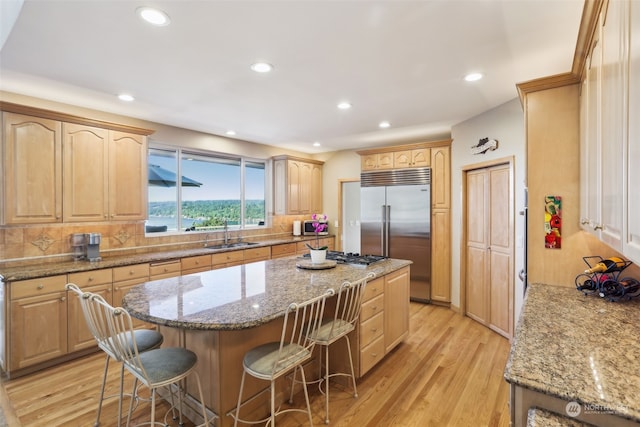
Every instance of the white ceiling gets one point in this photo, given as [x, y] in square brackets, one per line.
[401, 61]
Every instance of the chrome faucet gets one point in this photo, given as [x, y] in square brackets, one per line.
[206, 239]
[226, 232]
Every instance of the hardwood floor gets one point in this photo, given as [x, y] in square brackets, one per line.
[447, 373]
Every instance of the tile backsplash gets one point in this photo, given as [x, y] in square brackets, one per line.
[28, 244]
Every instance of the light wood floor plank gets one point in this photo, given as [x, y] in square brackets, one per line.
[447, 373]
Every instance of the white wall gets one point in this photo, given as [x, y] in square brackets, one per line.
[504, 123]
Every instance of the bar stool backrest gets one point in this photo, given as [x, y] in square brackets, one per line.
[117, 334]
[347, 311]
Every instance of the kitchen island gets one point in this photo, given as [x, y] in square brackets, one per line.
[576, 356]
[220, 314]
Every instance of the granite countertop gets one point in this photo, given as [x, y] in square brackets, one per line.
[240, 297]
[10, 274]
[578, 348]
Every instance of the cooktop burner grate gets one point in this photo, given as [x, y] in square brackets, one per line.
[352, 258]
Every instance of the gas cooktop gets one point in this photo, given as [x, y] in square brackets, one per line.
[352, 258]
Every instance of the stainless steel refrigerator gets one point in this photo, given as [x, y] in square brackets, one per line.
[395, 217]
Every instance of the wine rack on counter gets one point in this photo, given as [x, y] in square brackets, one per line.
[603, 278]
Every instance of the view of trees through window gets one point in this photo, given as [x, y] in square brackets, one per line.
[212, 189]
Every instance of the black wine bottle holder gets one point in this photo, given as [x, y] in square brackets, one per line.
[607, 284]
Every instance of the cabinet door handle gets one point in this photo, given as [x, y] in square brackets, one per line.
[62, 299]
[40, 286]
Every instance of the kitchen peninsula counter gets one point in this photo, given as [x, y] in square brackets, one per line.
[244, 296]
[221, 314]
[569, 347]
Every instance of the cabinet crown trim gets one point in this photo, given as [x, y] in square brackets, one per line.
[70, 118]
[417, 145]
[299, 159]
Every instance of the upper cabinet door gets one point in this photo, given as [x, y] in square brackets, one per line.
[631, 241]
[127, 176]
[440, 178]
[615, 54]
[86, 182]
[32, 170]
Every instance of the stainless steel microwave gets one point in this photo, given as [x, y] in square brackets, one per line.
[308, 229]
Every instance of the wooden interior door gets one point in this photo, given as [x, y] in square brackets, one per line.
[489, 248]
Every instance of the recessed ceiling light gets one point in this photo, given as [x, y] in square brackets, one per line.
[262, 67]
[473, 77]
[344, 105]
[153, 16]
[316, 144]
[383, 125]
[125, 97]
[231, 132]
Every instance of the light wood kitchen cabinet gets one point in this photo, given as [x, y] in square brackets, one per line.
[124, 278]
[38, 321]
[297, 186]
[64, 168]
[376, 161]
[32, 176]
[195, 264]
[396, 308]
[99, 282]
[86, 173]
[127, 176]
[227, 259]
[303, 249]
[441, 177]
[416, 158]
[371, 327]
[164, 269]
[257, 254]
[279, 251]
[441, 256]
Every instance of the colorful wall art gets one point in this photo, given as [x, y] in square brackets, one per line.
[553, 222]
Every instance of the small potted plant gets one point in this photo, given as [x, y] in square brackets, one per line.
[319, 253]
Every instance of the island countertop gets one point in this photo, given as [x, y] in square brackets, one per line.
[578, 348]
[240, 297]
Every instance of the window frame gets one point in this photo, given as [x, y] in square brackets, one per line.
[182, 151]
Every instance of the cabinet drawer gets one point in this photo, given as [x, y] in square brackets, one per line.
[91, 278]
[35, 287]
[374, 288]
[283, 250]
[371, 329]
[225, 257]
[371, 308]
[160, 270]
[196, 262]
[136, 271]
[371, 354]
[257, 253]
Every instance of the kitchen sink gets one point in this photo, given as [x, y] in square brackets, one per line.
[231, 245]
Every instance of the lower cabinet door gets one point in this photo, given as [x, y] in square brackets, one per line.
[38, 329]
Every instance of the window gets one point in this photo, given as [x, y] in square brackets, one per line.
[213, 189]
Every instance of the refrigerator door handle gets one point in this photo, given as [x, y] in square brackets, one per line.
[383, 230]
[387, 223]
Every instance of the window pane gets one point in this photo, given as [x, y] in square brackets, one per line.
[163, 193]
[218, 198]
[254, 211]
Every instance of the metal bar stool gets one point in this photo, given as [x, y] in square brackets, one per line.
[144, 339]
[154, 368]
[273, 360]
[347, 312]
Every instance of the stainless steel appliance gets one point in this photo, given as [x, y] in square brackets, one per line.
[93, 246]
[351, 258]
[395, 218]
[309, 230]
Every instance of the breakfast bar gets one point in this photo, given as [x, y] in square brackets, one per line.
[220, 314]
